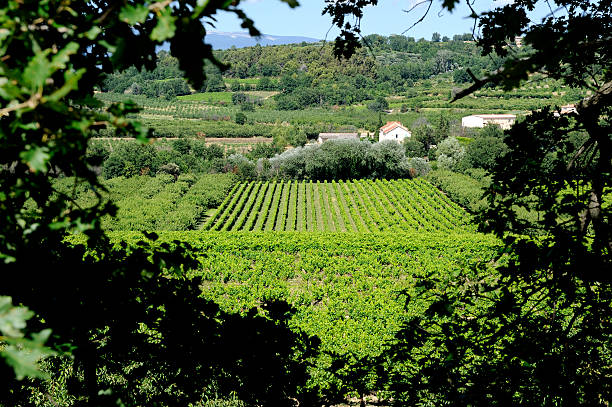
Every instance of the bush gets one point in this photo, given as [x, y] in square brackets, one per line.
[379, 105]
[240, 118]
[129, 159]
[464, 190]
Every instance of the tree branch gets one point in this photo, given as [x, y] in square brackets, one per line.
[422, 17]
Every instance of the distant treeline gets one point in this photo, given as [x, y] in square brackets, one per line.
[310, 75]
[442, 143]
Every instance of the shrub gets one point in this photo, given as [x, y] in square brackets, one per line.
[418, 167]
[240, 118]
[464, 190]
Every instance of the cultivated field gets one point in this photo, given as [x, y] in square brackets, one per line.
[352, 206]
[348, 289]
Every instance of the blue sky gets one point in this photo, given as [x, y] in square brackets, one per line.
[275, 17]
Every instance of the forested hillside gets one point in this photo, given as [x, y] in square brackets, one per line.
[309, 74]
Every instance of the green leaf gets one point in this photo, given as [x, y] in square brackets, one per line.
[110, 47]
[8, 90]
[12, 319]
[60, 59]
[20, 353]
[36, 158]
[134, 14]
[71, 83]
[165, 27]
[24, 360]
[41, 337]
[93, 33]
[38, 70]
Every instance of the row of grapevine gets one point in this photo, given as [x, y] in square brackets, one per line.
[153, 203]
[359, 280]
[360, 206]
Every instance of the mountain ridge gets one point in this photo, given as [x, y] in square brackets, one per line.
[226, 40]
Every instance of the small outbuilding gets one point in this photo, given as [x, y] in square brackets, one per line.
[505, 121]
[323, 137]
[394, 131]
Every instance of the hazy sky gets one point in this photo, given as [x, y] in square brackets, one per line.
[275, 17]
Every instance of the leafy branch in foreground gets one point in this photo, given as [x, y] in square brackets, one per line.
[53, 56]
[22, 354]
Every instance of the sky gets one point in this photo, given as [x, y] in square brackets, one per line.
[276, 18]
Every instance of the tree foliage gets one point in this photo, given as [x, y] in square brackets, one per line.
[539, 333]
[111, 308]
[536, 332]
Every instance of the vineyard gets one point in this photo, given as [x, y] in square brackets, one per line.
[348, 289]
[154, 203]
[345, 255]
[353, 206]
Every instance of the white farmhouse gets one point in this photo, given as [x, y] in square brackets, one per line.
[505, 121]
[394, 131]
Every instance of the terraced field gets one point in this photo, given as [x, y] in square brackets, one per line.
[353, 206]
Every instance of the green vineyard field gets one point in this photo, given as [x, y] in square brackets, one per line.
[361, 206]
[153, 203]
[348, 289]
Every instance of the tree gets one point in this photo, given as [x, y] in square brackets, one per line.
[442, 128]
[264, 150]
[240, 118]
[239, 98]
[298, 138]
[172, 169]
[535, 331]
[414, 148]
[264, 84]
[235, 86]
[449, 153]
[130, 159]
[379, 105]
[484, 152]
[214, 83]
[182, 145]
[281, 135]
[98, 299]
[435, 37]
[461, 76]
[425, 134]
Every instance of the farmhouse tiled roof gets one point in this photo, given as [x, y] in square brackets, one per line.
[391, 126]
